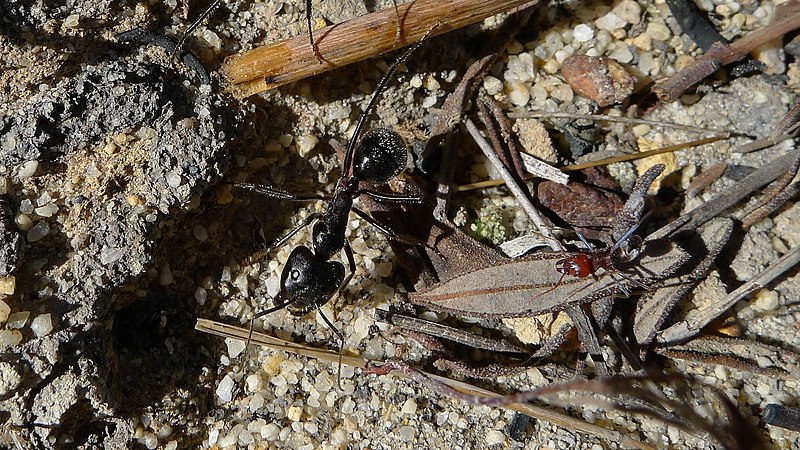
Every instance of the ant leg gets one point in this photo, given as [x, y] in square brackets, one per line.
[391, 197]
[311, 33]
[620, 285]
[258, 255]
[280, 194]
[398, 30]
[404, 239]
[194, 25]
[351, 265]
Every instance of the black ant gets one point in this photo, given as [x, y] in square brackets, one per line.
[309, 279]
[314, 47]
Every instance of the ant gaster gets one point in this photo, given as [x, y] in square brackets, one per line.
[309, 279]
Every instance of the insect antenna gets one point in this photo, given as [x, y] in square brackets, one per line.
[341, 344]
[277, 307]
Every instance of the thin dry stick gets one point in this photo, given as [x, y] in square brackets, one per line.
[702, 214]
[693, 324]
[364, 37]
[601, 162]
[720, 55]
[521, 196]
[619, 119]
[768, 142]
[774, 196]
[541, 413]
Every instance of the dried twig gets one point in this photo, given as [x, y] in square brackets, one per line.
[759, 144]
[719, 55]
[702, 214]
[692, 325]
[774, 197]
[519, 194]
[539, 412]
[708, 176]
[619, 119]
[601, 162]
[364, 37]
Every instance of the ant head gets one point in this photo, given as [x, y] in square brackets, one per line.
[380, 156]
[307, 281]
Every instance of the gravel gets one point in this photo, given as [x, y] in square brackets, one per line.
[119, 225]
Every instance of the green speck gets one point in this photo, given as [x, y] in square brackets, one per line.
[489, 225]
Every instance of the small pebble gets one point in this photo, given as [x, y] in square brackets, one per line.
[294, 413]
[42, 325]
[72, 21]
[600, 79]
[47, 210]
[200, 295]
[235, 347]
[38, 232]
[492, 85]
[174, 179]
[27, 169]
[110, 255]
[610, 22]
[406, 433]
[200, 233]
[629, 10]
[9, 338]
[306, 143]
[658, 31]
[225, 389]
[409, 407]
[429, 101]
[18, 319]
[5, 310]
[495, 437]
[23, 222]
[270, 431]
[149, 440]
[583, 33]
[8, 285]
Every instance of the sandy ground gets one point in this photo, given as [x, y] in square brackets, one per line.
[120, 228]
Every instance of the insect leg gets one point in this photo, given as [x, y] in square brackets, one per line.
[405, 239]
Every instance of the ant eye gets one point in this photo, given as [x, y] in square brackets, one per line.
[294, 275]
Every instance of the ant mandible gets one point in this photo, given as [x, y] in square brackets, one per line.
[310, 279]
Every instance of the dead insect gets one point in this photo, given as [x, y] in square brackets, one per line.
[532, 285]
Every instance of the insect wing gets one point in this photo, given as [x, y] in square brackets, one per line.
[530, 286]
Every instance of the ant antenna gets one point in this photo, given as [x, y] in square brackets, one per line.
[351, 146]
[252, 322]
[341, 345]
